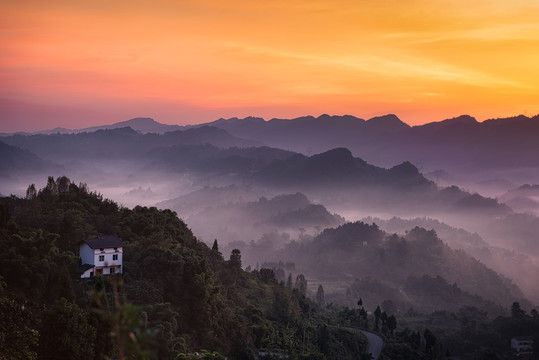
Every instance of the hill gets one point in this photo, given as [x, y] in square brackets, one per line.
[15, 161]
[241, 220]
[518, 266]
[176, 296]
[523, 199]
[334, 178]
[119, 143]
[362, 251]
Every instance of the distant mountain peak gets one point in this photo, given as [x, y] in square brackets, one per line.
[141, 124]
[527, 187]
[405, 168]
[387, 117]
[337, 153]
[324, 116]
[237, 119]
[389, 122]
[138, 121]
[463, 119]
[125, 130]
[327, 117]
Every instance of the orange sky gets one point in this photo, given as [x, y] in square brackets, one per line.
[78, 63]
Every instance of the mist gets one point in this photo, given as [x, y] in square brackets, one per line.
[278, 206]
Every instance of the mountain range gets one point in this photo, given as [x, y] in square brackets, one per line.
[120, 142]
[141, 124]
[218, 174]
[16, 162]
[208, 152]
[456, 145]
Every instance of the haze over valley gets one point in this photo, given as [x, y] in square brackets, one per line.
[273, 183]
[423, 219]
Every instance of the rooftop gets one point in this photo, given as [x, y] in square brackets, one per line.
[85, 267]
[105, 241]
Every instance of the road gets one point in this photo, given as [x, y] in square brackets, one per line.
[375, 343]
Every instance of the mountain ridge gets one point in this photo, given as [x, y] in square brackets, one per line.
[149, 125]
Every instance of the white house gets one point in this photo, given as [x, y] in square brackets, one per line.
[522, 345]
[101, 256]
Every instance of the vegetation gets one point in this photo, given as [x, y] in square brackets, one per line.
[180, 299]
[415, 270]
[175, 298]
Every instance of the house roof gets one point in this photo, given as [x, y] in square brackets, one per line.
[105, 241]
[85, 267]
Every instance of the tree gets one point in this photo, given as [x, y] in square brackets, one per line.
[360, 303]
[215, 246]
[51, 189]
[320, 296]
[384, 317]
[430, 340]
[31, 192]
[323, 339]
[18, 339]
[99, 318]
[363, 317]
[377, 314]
[65, 333]
[5, 215]
[516, 311]
[63, 184]
[301, 284]
[267, 276]
[235, 259]
[289, 282]
[391, 323]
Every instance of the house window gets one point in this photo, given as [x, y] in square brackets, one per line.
[115, 257]
[115, 249]
[101, 257]
[112, 270]
[99, 271]
[101, 249]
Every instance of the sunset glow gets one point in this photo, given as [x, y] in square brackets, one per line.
[82, 63]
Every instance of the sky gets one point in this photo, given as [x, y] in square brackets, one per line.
[75, 63]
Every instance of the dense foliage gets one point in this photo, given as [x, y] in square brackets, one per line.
[415, 270]
[180, 299]
[176, 295]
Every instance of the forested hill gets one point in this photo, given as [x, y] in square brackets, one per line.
[176, 295]
[365, 252]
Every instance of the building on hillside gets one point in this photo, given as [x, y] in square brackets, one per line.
[522, 345]
[101, 256]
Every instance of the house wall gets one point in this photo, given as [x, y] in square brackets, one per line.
[108, 259]
[87, 273]
[86, 254]
[522, 346]
[91, 256]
